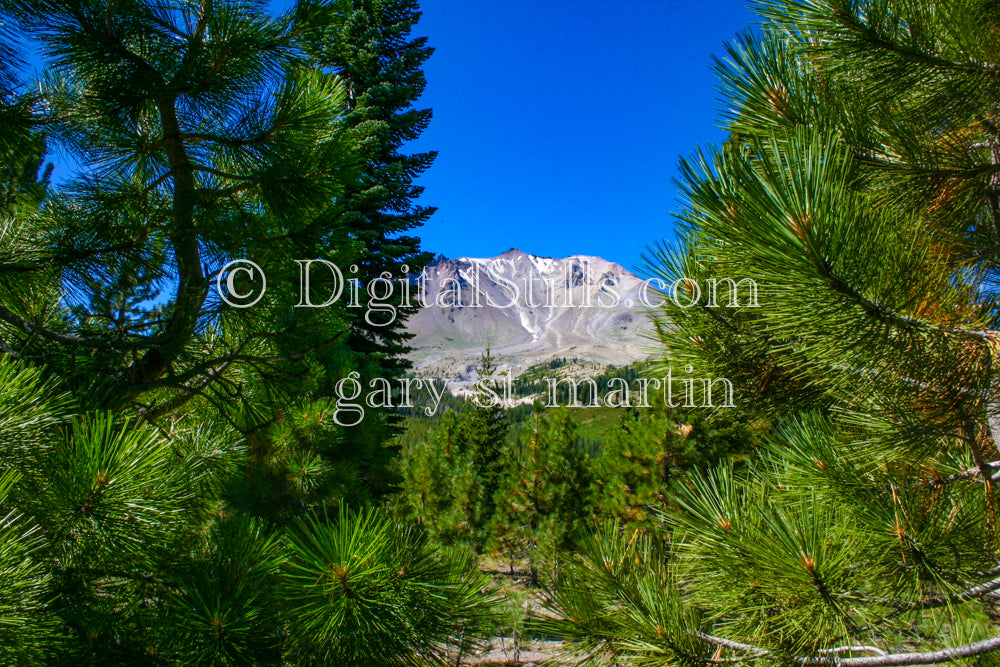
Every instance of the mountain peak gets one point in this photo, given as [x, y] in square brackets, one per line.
[527, 309]
[513, 252]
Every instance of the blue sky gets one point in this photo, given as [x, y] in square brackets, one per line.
[560, 122]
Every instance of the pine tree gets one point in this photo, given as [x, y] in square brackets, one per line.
[542, 500]
[452, 474]
[203, 136]
[442, 486]
[368, 44]
[859, 187]
[634, 467]
[140, 415]
[655, 447]
[205, 133]
[115, 551]
[484, 432]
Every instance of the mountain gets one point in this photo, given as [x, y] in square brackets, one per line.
[528, 309]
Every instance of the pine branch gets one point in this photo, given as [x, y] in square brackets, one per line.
[209, 365]
[192, 288]
[972, 593]
[854, 649]
[965, 474]
[72, 339]
[851, 21]
[887, 315]
[883, 659]
[925, 658]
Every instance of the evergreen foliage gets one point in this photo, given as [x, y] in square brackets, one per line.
[112, 553]
[205, 133]
[523, 484]
[366, 592]
[859, 188]
[651, 449]
[543, 499]
[451, 473]
[367, 43]
[173, 489]
[442, 490]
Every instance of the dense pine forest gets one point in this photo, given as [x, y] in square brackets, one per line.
[175, 489]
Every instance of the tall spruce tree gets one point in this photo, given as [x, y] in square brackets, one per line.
[368, 44]
[452, 473]
[859, 187]
[542, 498]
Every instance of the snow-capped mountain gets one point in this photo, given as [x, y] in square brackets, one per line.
[528, 309]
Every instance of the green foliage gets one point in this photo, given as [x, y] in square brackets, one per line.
[226, 606]
[442, 489]
[859, 189]
[542, 502]
[203, 133]
[649, 449]
[28, 630]
[367, 43]
[108, 492]
[107, 556]
[550, 477]
[364, 591]
[619, 596]
[452, 470]
[166, 456]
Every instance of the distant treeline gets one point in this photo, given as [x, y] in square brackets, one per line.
[520, 484]
[534, 383]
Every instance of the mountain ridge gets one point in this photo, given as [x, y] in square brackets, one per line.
[527, 309]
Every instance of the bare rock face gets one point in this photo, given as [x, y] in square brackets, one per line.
[527, 309]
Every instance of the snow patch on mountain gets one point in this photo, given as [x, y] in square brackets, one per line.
[527, 309]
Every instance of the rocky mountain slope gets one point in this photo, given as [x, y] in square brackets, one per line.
[528, 309]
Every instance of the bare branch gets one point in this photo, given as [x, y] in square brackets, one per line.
[931, 603]
[882, 659]
[965, 474]
[853, 649]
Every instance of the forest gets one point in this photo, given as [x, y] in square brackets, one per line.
[175, 490]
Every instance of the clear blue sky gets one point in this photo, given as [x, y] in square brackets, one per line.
[560, 122]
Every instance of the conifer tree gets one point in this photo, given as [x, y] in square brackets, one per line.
[859, 187]
[442, 487]
[139, 415]
[202, 136]
[205, 133]
[654, 447]
[542, 499]
[451, 476]
[368, 44]
[484, 432]
[634, 466]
